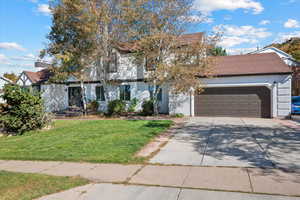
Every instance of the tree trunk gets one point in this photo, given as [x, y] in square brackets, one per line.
[83, 97]
[155, 107]
[155, 100]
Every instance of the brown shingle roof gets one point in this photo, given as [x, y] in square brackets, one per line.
[190, 38]
[38, 77]
[250, 64]
[184, 39]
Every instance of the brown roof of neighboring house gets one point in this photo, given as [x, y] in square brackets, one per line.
[184, 39]
[250, 64]
[38, 77]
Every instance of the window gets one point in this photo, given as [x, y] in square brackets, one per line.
[100, 93]
[125, 92]
[151, 91]
[113, 64]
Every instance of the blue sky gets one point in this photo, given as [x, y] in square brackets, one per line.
[245, 25]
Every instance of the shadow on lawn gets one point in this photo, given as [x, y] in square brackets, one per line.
[158, 124]
[154, 123]
[262, 147]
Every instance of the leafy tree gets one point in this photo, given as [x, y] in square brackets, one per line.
[156, 29]
[291, 46]
[11, 76]
[218, 51]
[70, 41]
[86, 32]
[23, 110]
[83, 35]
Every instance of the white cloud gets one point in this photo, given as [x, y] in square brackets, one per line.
[291, 23]
[236, 35]
[239, 51]
[286, 36]
[208, 6]
[248, 31]
[33, 1]
[44, 9]
[231, 41]
[3, 59]
[27, 65]
[264, 22]
[11, 45]
[28, 57]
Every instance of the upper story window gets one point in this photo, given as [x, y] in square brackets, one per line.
[113, 64]
[100, 96]
[125, 93]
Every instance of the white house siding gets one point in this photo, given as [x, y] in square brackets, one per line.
[181, 104]
[280, 86]
[24, 81]
[127, 70]
[284, 97]
[55, 97]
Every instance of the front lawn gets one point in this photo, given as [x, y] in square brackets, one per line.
[19, 186]
[104, 141]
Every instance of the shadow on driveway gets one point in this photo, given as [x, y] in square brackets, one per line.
[241, 143]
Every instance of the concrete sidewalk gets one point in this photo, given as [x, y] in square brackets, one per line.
[249, 180]
[132, 192]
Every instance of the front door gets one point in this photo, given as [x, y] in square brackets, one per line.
[75, 96]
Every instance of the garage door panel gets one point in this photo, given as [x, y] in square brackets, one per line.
[237, 102]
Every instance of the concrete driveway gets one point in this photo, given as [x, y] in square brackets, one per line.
[296, 118]
[240, 142]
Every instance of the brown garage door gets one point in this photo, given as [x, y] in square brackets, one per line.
[234, 101]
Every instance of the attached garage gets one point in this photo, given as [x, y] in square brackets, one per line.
[252, 85]
[234, 102]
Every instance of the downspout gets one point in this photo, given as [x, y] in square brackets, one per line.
[191, 104]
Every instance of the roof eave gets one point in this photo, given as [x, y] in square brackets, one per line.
[254, 74]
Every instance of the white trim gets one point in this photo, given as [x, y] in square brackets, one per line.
[5, 79]
[275, 49]
[268, 85]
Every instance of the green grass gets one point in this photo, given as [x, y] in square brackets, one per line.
[103, 141]
[19, 186]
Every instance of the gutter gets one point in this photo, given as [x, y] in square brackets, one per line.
[268, 85]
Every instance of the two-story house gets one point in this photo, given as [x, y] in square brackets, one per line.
[254, 85]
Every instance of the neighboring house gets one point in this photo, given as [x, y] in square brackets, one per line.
[257, 85]
[289, 60]
[28, 78]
